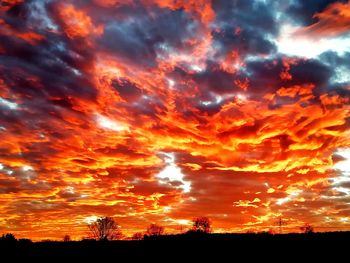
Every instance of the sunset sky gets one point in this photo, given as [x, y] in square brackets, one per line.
[159, 111]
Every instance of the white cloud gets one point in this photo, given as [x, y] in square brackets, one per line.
[344, 168]
[294, 45]
[90, 219]
[341, 75]
[289, 198]
[196, 68]
[172, 173]
[109, 124]
[27, 168]
[9, 104]
[171, 82]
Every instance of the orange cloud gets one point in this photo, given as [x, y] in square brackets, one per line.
[77, 23]
[332, 22]
[202, 8]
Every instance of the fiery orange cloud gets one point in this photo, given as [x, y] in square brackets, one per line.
[77, 23]
[161, 111]
[202, 8]
[333, 21]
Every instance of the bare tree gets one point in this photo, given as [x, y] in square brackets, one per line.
[104, 229]
[66, 238]
[201, 224]
[154, 230]
[137, 236]
[307, 229]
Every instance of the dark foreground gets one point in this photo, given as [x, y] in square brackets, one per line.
[207, 248]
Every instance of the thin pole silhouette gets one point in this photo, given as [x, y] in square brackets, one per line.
[280, 222]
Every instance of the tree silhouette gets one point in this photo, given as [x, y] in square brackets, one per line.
[8, 237]
[104, 229]
[201, 224]
[66, 238]
[137, 236]
[154, 230]
[307, 229]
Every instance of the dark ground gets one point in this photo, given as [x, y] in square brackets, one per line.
[333, 247]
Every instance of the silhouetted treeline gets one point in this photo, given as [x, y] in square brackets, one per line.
[193, 244]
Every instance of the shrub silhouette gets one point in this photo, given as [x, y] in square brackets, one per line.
[307, 229]
[154, 230]
[137, 236]
[201, 225]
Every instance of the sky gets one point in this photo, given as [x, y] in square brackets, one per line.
[160, 111]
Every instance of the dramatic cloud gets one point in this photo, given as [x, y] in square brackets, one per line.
[159, 111]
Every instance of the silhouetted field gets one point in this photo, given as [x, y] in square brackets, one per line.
[223, 247]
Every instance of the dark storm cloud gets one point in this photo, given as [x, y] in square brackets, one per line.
[44, 61]
[245, 26]
[215, 80]
[311, 71]
[51, 58]
[142, 33]
[264, 75]
[340, 80]
[127, 90]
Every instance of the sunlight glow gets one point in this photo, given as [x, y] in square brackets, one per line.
[183, 222]
[291, 44]
[171, 82]
[289, 198]
[344, 165]
[344, 168]
[27, 168]
[109, 124]
[196, 68]
[172, 173]
[70, 189]
[90, 219]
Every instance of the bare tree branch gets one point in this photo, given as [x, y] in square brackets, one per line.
[104, 229]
